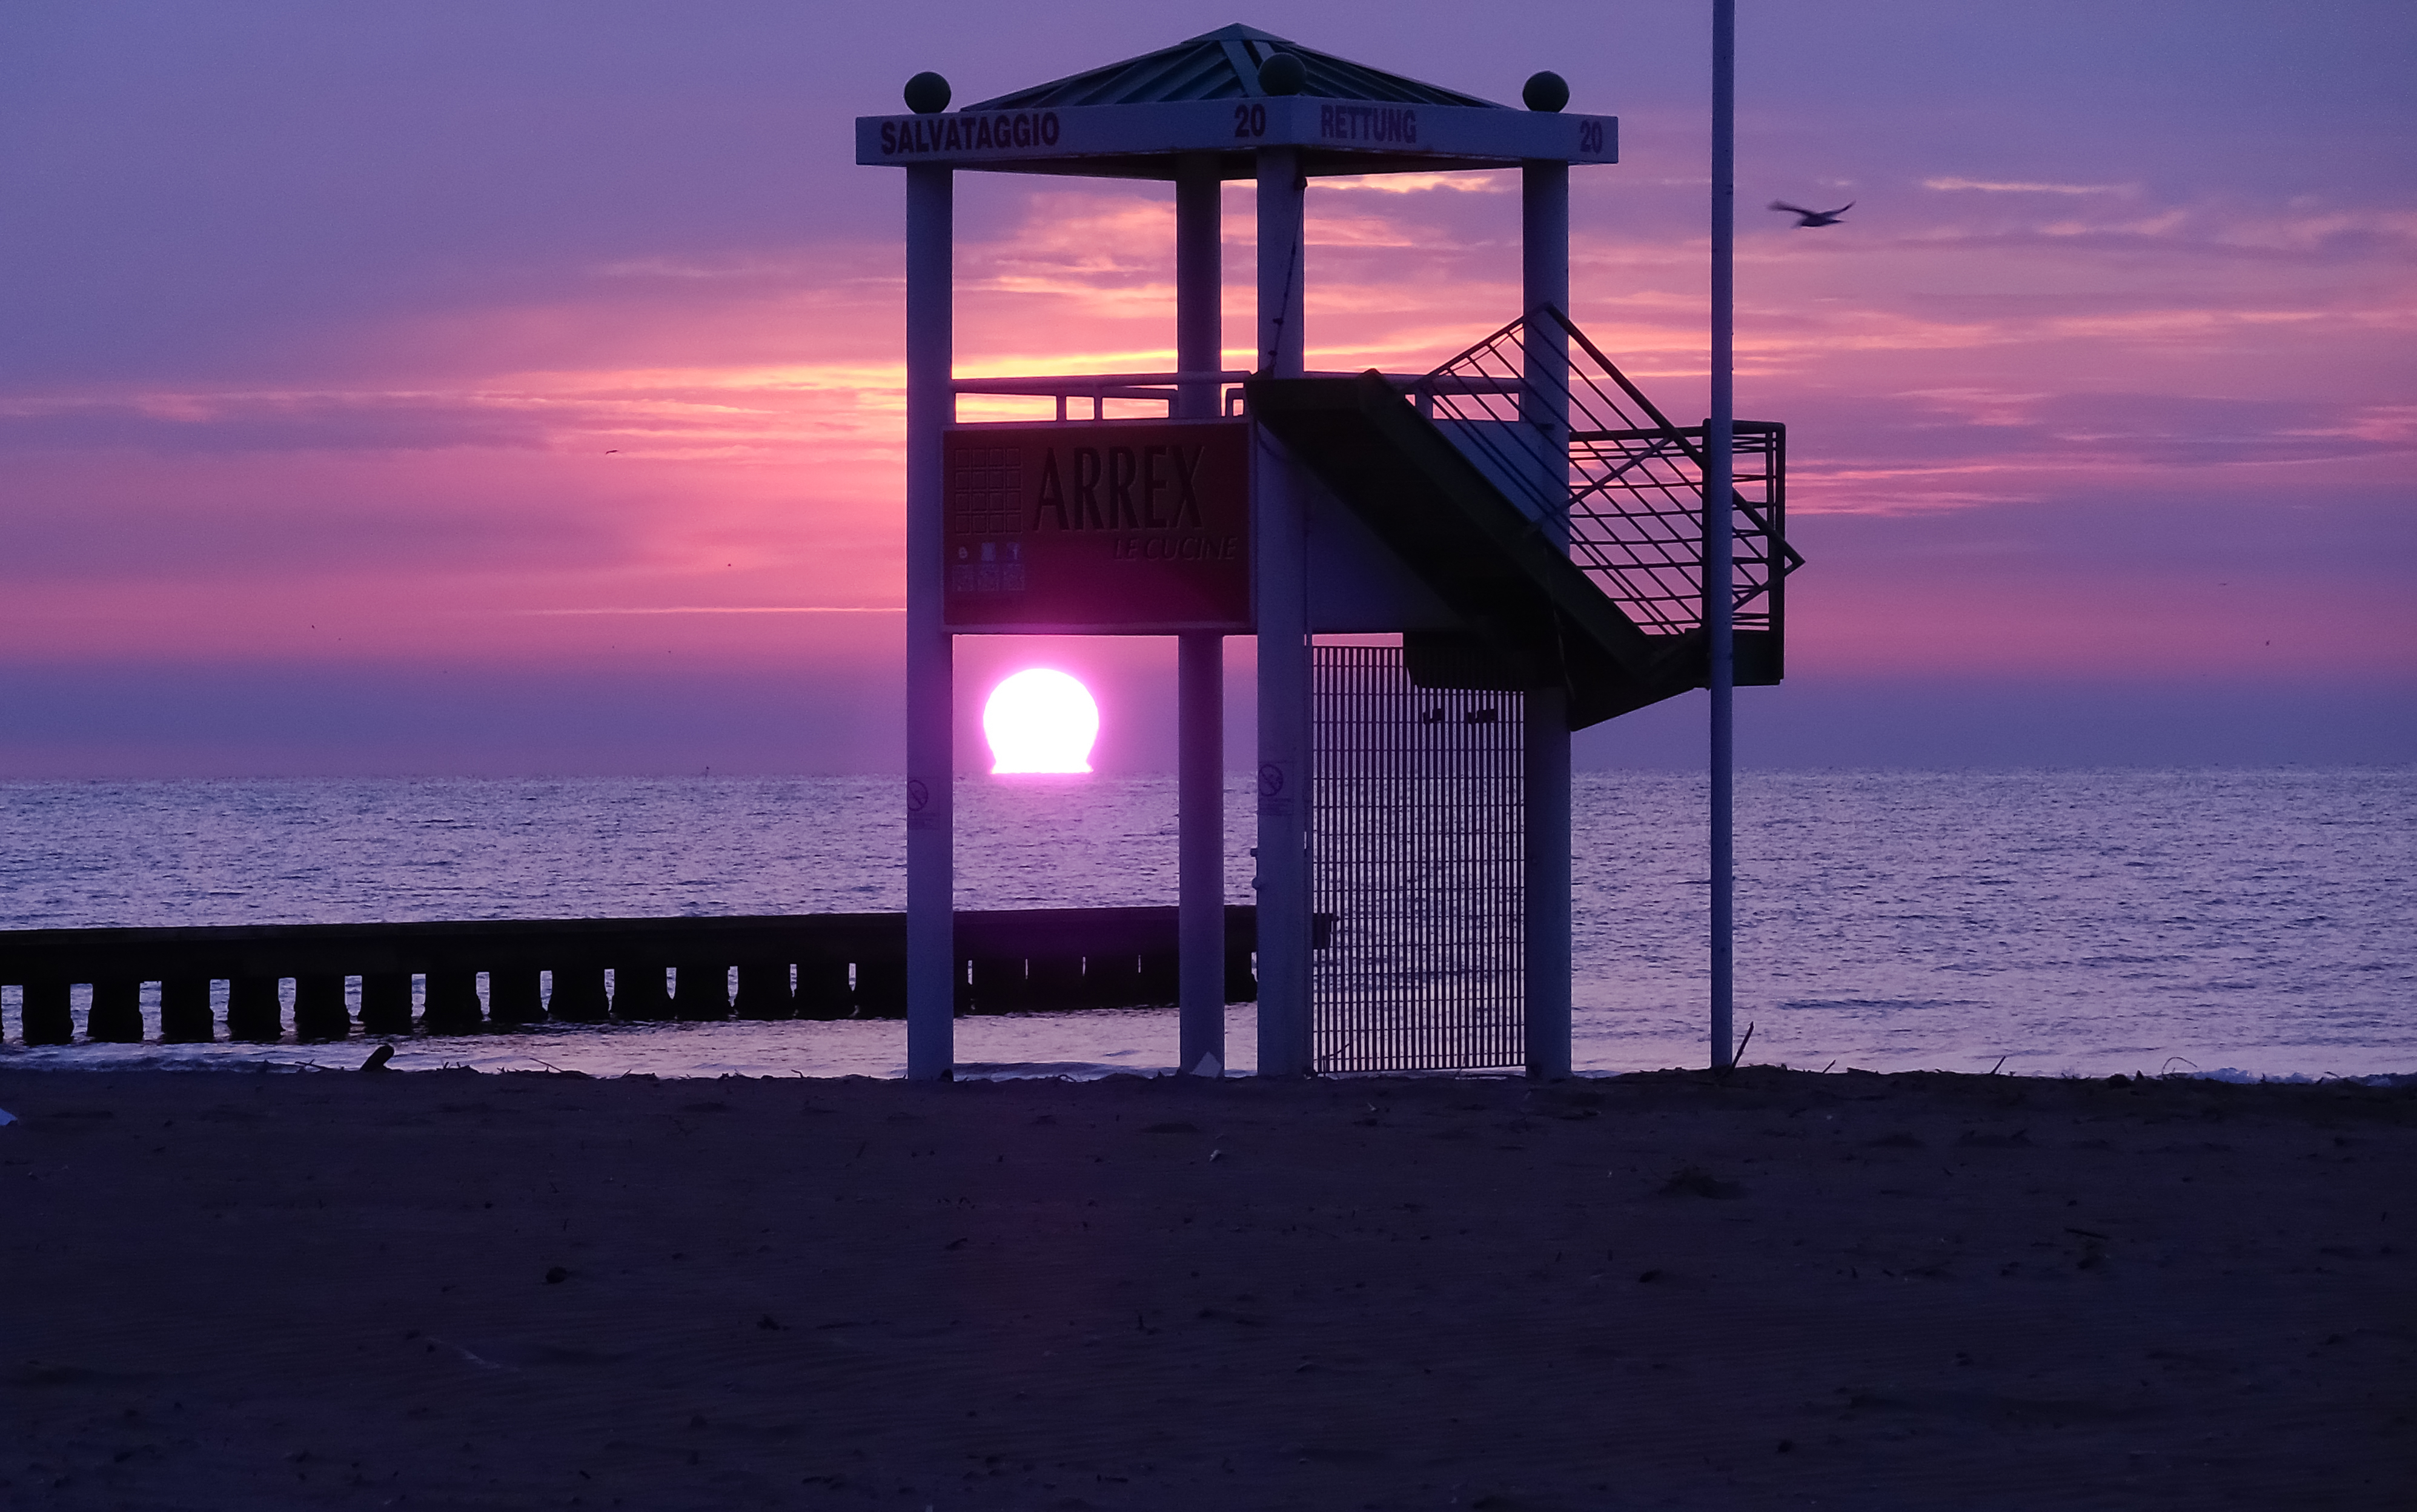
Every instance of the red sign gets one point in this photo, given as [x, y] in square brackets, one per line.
[1129, 527]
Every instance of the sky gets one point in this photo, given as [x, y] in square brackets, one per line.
[513, 387]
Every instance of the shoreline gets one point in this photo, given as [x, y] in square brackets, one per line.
[1664, 1288]
[225, 1057]
[1084, 1044]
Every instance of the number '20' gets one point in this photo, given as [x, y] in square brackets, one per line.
[1250, 121]
[1589, 136]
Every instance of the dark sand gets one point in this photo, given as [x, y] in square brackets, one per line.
[248, 1290]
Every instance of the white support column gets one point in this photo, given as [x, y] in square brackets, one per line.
[1200, 850]
[1199, 282]
[1279, 541]
[1544, 270]
[1545, 279]
[930, 902]
[1200, 655]
[1281, 251]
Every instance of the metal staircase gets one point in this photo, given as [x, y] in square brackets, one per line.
[1539, 492]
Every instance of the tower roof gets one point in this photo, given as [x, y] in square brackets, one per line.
[1201, 99]
[1224, 65]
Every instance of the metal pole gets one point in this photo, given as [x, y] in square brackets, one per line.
[1544, 729]
[1720, 454]
[1279, 546]
[931, 919]
[1200, 655]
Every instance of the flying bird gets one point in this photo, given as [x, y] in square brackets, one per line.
[1812, 217]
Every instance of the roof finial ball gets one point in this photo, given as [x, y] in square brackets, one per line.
[1283, 74]
[927, 94]
[1546, 91]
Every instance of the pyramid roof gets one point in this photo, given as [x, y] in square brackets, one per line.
[1201, 99]
[1224, 65]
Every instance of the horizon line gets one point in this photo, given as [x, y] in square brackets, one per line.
[723, 608]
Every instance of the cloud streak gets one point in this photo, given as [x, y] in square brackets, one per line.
[1989, 186]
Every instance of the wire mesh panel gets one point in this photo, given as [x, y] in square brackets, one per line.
[1417, 834]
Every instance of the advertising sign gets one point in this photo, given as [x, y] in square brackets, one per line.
[1123, 527]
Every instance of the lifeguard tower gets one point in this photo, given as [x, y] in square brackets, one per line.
[1522, 518]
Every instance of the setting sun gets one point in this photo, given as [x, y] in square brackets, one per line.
[1041, 720]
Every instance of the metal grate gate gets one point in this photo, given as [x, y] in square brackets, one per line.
[1417, 837]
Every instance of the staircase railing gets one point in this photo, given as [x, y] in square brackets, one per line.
[1603, 471]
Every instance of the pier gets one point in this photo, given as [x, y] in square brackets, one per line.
[459, 978]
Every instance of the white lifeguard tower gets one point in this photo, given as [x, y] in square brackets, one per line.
[1521, 517]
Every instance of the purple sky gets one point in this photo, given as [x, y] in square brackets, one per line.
[392, 388]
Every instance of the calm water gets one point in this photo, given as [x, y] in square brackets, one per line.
[2081, 921]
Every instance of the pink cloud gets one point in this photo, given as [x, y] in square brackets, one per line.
[547, 412]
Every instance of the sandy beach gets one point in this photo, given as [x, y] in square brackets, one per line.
[449, 1289]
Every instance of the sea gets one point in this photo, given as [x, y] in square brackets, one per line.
[2238, 924]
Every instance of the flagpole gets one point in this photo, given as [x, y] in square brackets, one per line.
[1719, 489]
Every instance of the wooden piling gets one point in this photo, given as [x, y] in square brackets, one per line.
[998, 983]
[255, 1010]
[822, 991]
[116, 1015]
[638, 993]
[702, 994]
[451, 1004]
[1160, 980]
[1241, 981]
[763, 990]
[48, 1021]
[514, 995]
[319, 1011]
[1112, 981]
[185, 1011]
[881, 989]
[386, 1002]
[1054, 982]
[579, 996]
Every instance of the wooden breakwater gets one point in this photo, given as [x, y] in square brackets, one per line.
[462, 977]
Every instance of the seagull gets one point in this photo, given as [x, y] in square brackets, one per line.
[1813, 218]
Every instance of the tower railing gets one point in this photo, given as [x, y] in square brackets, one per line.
[1574, 441]
[1571, 439]
[1097, 389]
